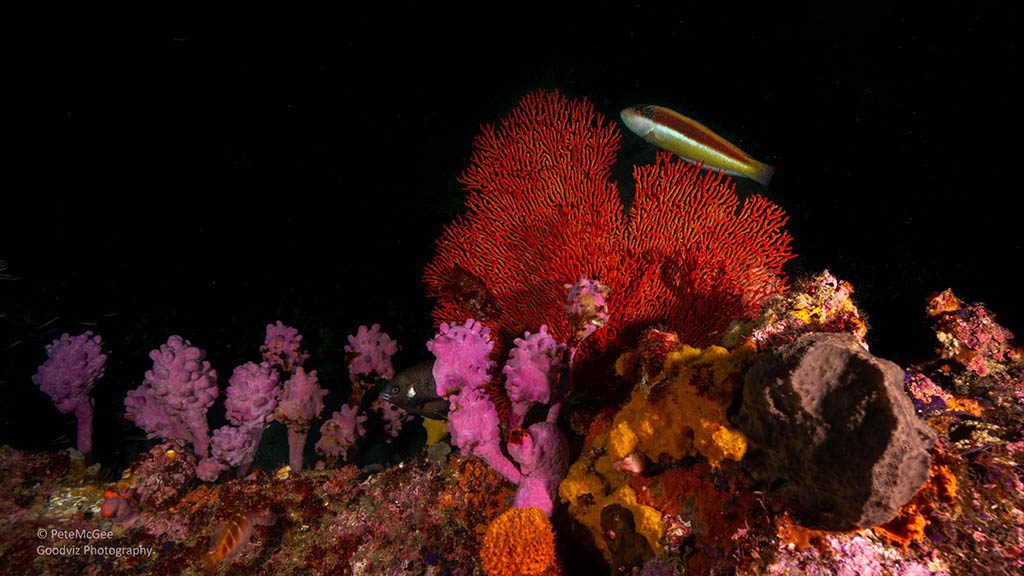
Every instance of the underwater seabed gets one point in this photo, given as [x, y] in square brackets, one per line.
[693, 509]
[612, 389]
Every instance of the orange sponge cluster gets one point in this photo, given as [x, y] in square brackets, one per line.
[913, 518]
[520, 542]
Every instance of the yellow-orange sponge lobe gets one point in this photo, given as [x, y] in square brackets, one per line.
[520, 542]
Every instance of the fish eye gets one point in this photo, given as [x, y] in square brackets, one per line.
[646, 111]
[394, 389]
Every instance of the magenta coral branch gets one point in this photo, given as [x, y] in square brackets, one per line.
[73, 366]
[231, 447]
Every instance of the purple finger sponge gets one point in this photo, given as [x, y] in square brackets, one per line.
[73, 366]
[250, 401]
[340, 433]
[282, 348]
[173, 399]
[252, 394]
[301, 401]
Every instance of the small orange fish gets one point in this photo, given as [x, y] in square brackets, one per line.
[230, 538]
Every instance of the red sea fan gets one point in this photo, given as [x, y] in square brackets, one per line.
[702, 257]
[542, 212]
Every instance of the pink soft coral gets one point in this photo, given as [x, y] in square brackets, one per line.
[282, 347]
[340, 433]
[301, 401]
[531, 372]
[369, 353]
[462, 355]
[73, 366]
[251, 396]
[232, 447]
[461, 370]
[173, 399]
[250, 401]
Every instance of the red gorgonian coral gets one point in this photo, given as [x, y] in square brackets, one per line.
[542, 212]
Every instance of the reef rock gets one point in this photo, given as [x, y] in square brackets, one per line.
[833, 424]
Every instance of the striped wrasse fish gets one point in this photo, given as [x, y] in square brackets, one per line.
[671, 131]
[231, 537]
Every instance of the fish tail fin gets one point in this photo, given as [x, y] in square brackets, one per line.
[763, 173]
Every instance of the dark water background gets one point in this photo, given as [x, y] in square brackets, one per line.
[204, 180]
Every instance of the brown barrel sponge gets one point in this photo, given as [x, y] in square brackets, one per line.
[831, 424]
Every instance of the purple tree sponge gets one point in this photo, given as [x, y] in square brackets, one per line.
[369, 354]
[232, 447]
[301, 401]
[282, 347]
[209, 469]
[250, 401]
[173, 399]
[340, 433]
[251, 396]
[462, 355]
[73, 366]
[532, 371]
[473, 425]
[543, 456]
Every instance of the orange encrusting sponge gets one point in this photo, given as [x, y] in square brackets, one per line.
[520, 542]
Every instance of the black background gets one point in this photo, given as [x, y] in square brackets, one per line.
[204, 179]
